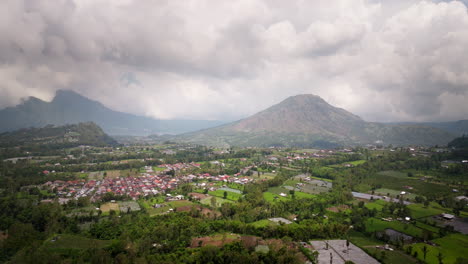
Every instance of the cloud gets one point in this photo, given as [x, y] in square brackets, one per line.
[383, 60]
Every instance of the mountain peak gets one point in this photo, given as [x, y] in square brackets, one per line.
[61, 95]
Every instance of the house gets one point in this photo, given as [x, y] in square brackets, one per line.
[448, 216]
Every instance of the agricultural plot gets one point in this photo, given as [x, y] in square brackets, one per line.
[219, 201]
[374, 224]
[419, 211]
[107, 207]
[377, 204]
[263, 223]
[394, 193]
[395, 256]
[396, 181]
[313, 189]
[452, 247]
[391, 173]
[230, 190]
[273, 197]
[233, 196]
[360, 240]
[65, 241]
[96, 175]
[112, 174]
[217, 240]
[129, 206]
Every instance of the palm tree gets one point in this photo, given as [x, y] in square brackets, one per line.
[424, 249]
[440, 257]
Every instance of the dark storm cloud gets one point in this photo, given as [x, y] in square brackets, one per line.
[383, 60]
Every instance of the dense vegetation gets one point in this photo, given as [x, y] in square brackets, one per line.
[229, 227]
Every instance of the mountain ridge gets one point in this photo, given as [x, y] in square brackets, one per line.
[68, 107]
[309, 121]
[58, 136]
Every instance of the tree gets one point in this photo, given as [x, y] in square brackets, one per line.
[213, 201]
[424, 250]
[440, 257]
[225, 194]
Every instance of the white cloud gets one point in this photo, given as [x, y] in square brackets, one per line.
[383, 60]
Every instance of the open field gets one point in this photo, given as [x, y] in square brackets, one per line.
[96, 175]
[377, 204]
[107, 207]
[270, 197]
[230, 195]
[112, 174]
[374, 224]
[66, 241]
[452, 247]
[391, 173]
[219, 201]
[360, 240]
[391, 257]
[214, 240]
[419, 211]
[397, 180]
[394, 193]
[129, 206]
[263, 223]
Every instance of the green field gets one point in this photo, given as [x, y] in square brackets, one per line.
[360, 240]
[262, 223]
[394, 193]
[219, 201]
[270, 197]
[396, 174]
[230, 195]
[451, 247]
[378, 205]
[419, 211]
[394, 180]
[65, 241]
[374, 224]
[392, 257]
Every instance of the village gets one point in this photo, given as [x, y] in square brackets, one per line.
[148, 183]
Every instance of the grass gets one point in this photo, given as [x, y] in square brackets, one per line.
[66, 241]
[433, 229]
[419, 211]
[303, 195]
[451, 247]
[391, 257]
[374, 224]
[356, 162]
[230, 195]
[360, 240]
[177, 204]
[394, 193]
[392, 173]
[112, 174]
[262, 223]
[158, 168]
[378, 205]
[394, 180]
[107, 207]
[270, 197]
[219, 201]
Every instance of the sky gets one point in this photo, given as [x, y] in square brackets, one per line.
[388, 60]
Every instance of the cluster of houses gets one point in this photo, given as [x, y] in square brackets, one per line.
[135, 187]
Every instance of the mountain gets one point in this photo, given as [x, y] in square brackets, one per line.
[59, 136]
[69, 107]
[309, 121]
[459, 127]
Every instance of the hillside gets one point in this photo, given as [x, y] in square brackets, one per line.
[60, 136]
[69, 108]
[309, 121]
